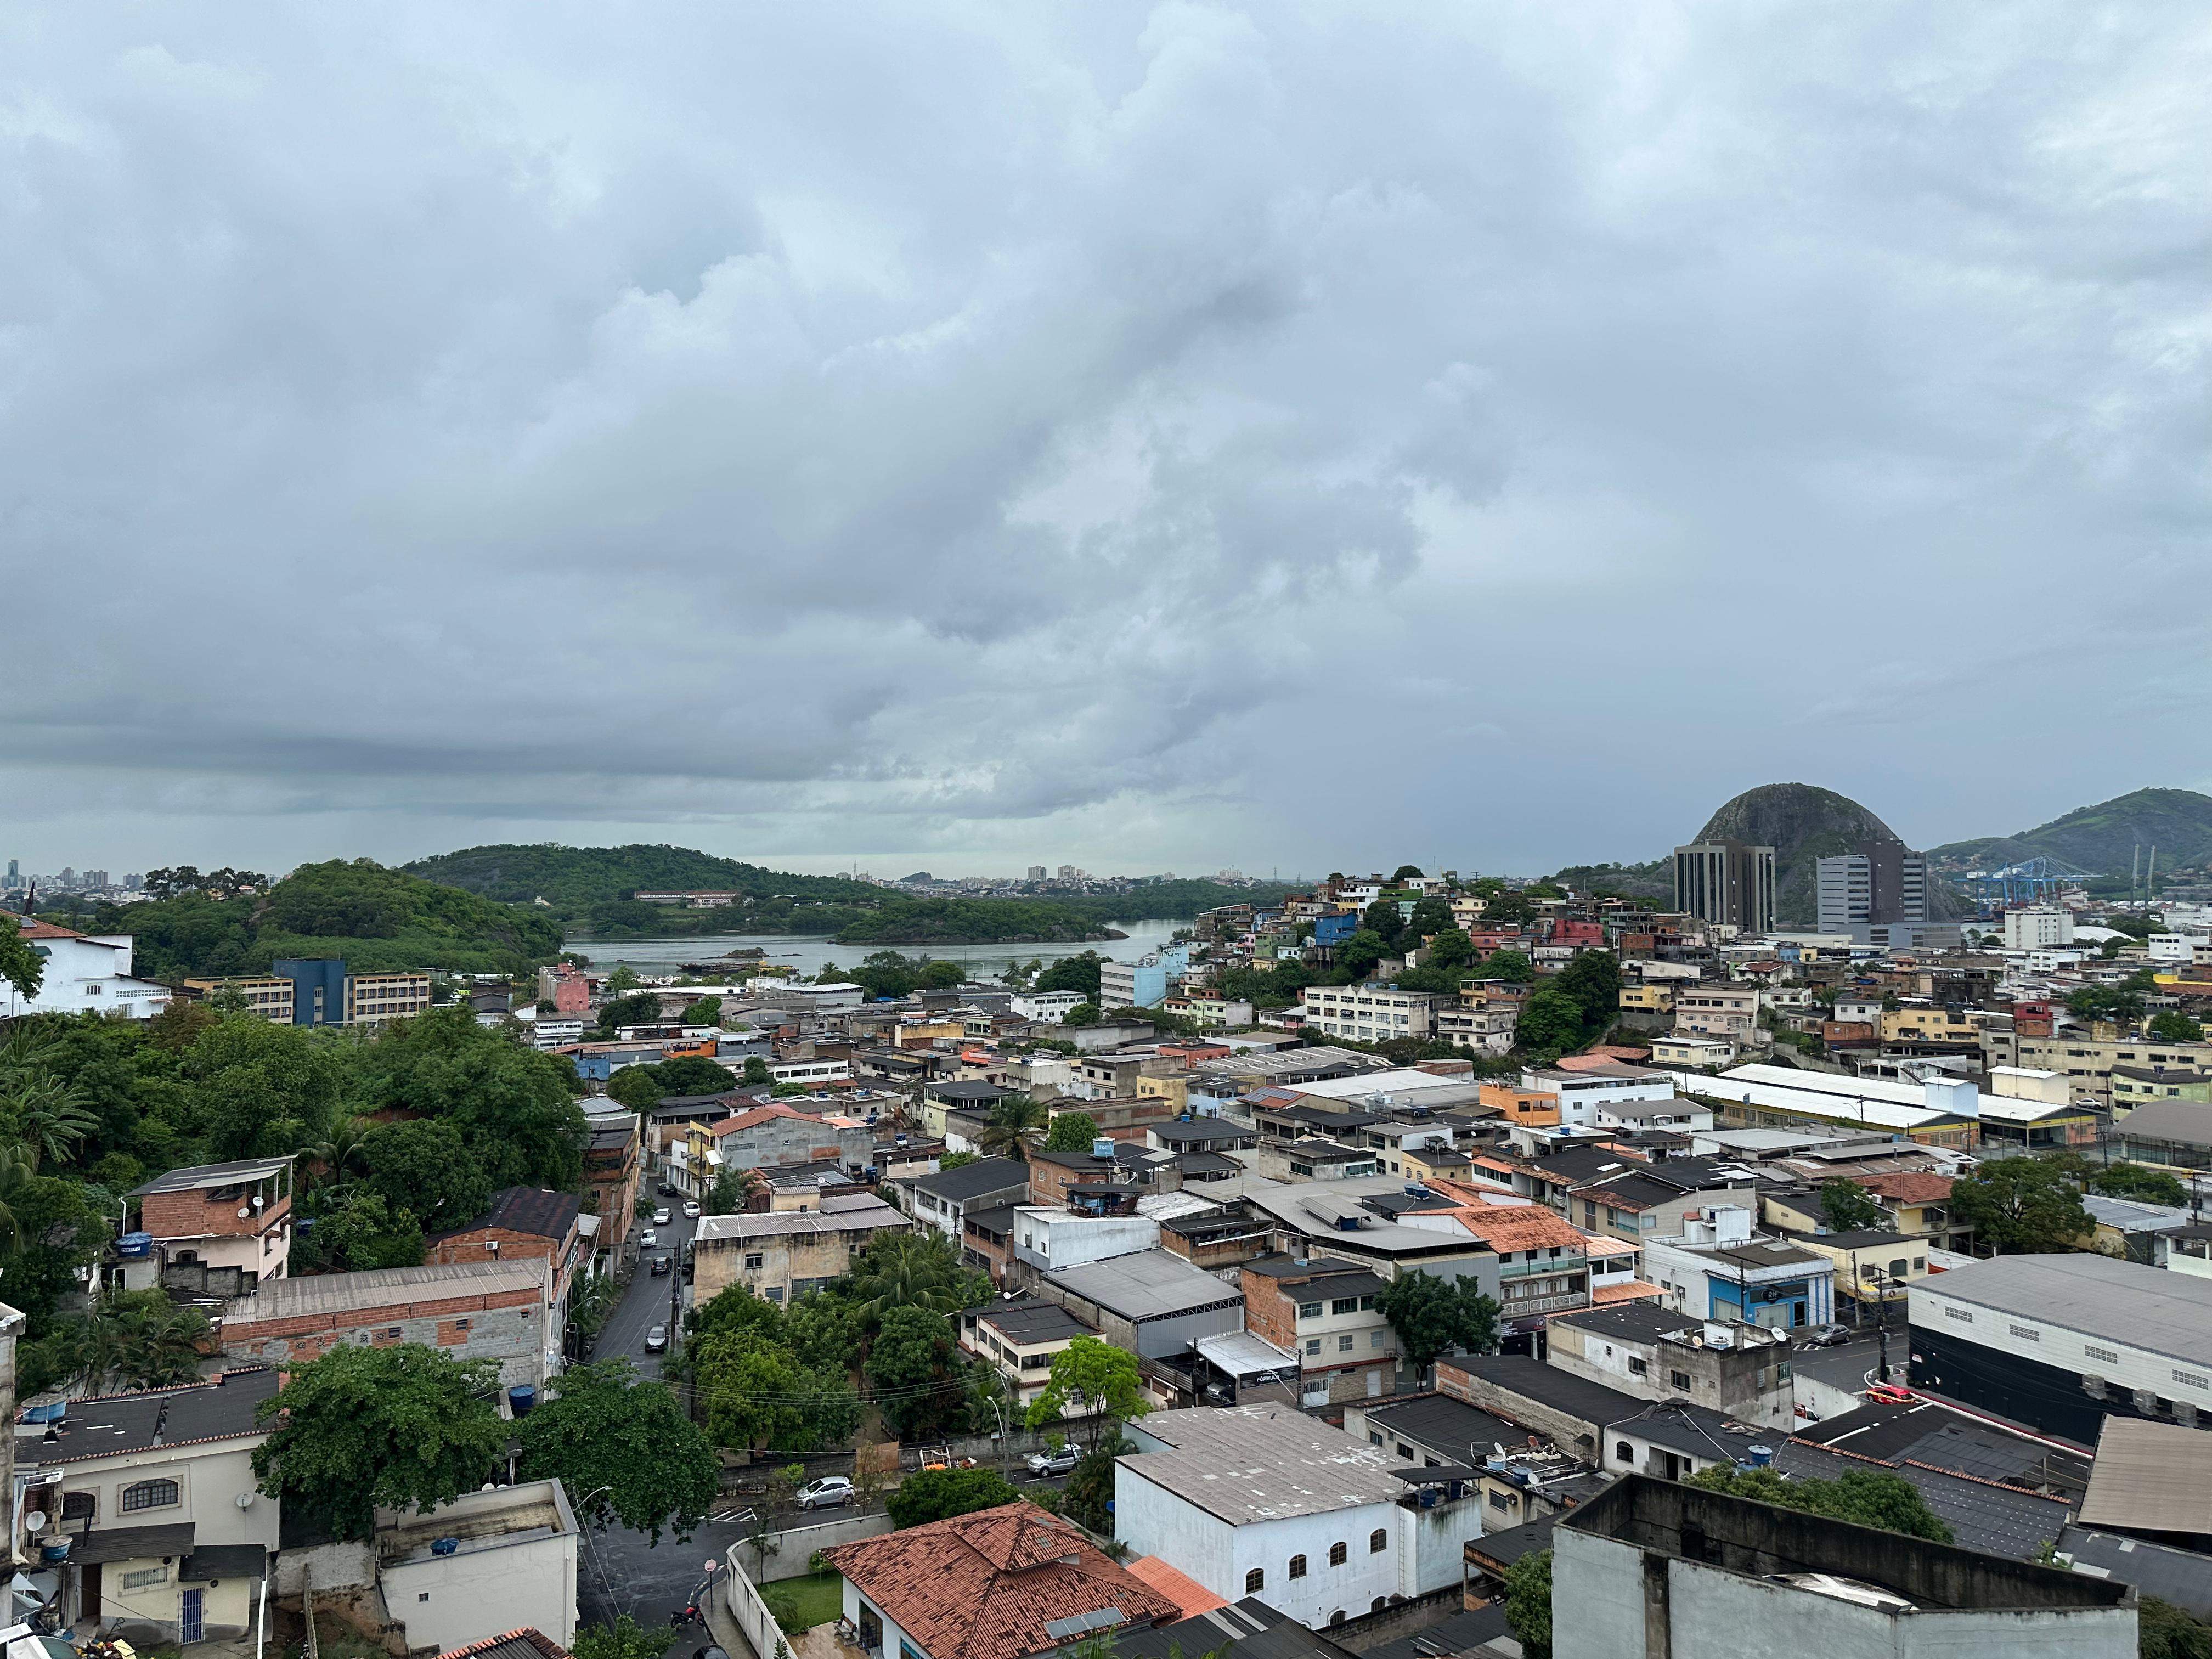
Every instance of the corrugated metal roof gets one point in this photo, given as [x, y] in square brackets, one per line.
[2145, 1307]
[2152, 1477]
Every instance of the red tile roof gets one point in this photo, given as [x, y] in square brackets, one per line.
[1191, 1598]
[29, 929]
[984, 1586]
[1911, 1188]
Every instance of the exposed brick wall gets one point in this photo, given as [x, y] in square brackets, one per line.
[1269, 1314]
[192, 1214]
[508, 1326]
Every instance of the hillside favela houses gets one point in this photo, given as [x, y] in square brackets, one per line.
[1780, 1247]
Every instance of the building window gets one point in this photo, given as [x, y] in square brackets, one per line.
[1373, 1439]
[1375, 1338]
[1254, 1581]
[150, 1495]
[1625, 1453]
[1377, 1541]
[1313, 1346]
[1344, 1345]
[1679, 1381]
[79, 1505]
[1959, 1314]
[1336, 1618]
[1637, 1367]
[2026, 1333]
[144, 1576]
[1345, 1304]
[1310, 1310]
[1339, 1555]
[1297, 1566]
[2192, 1379]
[2106, 1354]
[1499, 1500]
[755, 1260]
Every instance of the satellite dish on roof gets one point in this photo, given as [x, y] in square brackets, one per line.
[35, 1520]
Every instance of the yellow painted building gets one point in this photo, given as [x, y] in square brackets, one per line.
[1173, 1089]
[1925, 1023]
[1648, 998]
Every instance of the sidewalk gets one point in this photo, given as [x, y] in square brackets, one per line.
[728, 1637]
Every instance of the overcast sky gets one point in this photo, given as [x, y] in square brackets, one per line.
[967, 437]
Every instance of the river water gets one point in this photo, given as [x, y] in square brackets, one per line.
[810, 954]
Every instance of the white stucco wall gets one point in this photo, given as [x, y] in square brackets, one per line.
[455, 1599]
[1151, 1521]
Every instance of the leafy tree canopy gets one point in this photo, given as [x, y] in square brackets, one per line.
[1846, 1206]
[2172, 1025]
[1434, 1317]
[909, 1370]
[20, 966]
[401, 1427]
[2021, 1205]
[515, 1109]
[423, 1166]
[624, 1447]
[1528, 1603]
[1075, 973]
[1071, 1132]
[940, 1494]
[1095, 1386]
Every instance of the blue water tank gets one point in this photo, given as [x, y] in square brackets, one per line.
[55, 1551]
[133, 1247]
[521, 1397]
[53, 1410]
[1760, 1457]
[444, 1545]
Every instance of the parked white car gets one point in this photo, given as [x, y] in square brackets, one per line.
[1053, 1462]
[831, 1491]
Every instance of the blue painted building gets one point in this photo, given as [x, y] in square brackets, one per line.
[319, 988]
[1334, 929]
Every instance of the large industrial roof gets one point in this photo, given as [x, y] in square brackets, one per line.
[1247, 1464]
[1146, 1284]
[2167, 1313]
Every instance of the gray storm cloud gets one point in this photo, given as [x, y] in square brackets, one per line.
[1154, 435]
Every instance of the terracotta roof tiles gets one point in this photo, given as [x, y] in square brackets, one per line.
[986, 1585]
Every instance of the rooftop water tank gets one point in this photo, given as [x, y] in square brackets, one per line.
[1103, 1146]
[521, 1398]
[133, 1246]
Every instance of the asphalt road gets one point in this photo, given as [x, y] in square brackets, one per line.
[623, 1571]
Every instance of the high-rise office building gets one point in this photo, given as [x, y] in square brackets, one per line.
[1727, 883]
[1877, 883]
[1036, 872]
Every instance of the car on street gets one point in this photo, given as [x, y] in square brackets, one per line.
[831, 1491]
[1053, 1462]
[1823, 1336]
[691, 1209]
[656, 1339]
[648, 1240]
[660, 1266]
[661, 1218]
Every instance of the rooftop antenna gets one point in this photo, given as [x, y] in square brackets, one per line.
[2134, 873]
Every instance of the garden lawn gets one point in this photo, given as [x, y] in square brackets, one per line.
[802, 1603]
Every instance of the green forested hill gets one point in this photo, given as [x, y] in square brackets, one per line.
[2101, 839]
[572, 880]
[379, 920]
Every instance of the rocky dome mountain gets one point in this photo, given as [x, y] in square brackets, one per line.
[1803, 823]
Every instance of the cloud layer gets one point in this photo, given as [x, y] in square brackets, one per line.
[1166, 436]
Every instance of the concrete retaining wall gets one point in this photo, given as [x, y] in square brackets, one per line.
[792, 1549]
[746, 1609]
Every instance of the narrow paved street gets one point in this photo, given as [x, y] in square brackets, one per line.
[621, 1571]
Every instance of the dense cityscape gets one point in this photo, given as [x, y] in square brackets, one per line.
[1505, 1235]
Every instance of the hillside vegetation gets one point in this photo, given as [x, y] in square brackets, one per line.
[379, 920]
[2101, 839]
[589, 890]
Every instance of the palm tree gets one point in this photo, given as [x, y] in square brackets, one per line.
[16, 1172]
[50, 1117]
[136, 1339]
[1011, 1119]
[341, 1152]
[901, 1270]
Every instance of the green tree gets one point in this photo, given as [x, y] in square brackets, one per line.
[1071, 1132]
[1090, 1485]
[21, 965]
[757, 1394]
[1551, 1023]
[2164, 1630]
[2172, 1025]
[362, 1229]
[515, 1109]
[957, 1160]
[1404, 871]
[940, 1494]
[915, 1270]
[1592, 979]
[639, 1008]
[401, 1427]
[2020, 1205]
[2134, 1181]
[735, 1308]
[1864, 1497]
[703, 1011]
[909, 1371]
[757, 1072]
[621, 981]
[1095, 1389]
[131, 1339]
[1435, 1317]
[1507, 909]
[1387, 924]
[636, 1087]
[258, 1088]
[1514, 967]
[625, 1448]
[824, 1329]
[1011, 1118]
[59, 1235]
[424, 1168]
[1528, 1603]
[690, 1074]
[1356, 957]
[1083, 1013]
[623, 1639]
[1846, 1207]
[1075, 973]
